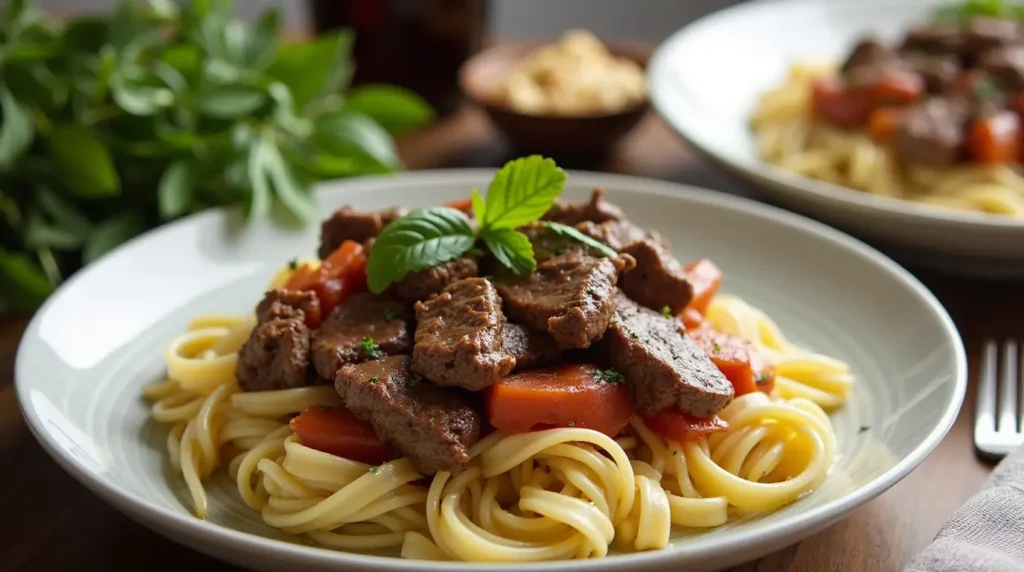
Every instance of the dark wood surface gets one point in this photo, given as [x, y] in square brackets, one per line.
[54, 523]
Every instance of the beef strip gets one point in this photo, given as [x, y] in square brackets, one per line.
[433, 426]
[662, 367]
[459, 336]
[939, 71]
[937, 38]
[423, 284]
[529, 348]
[933, 133]
[547, 244]
[658, 280]
[595, 210]
[570, 296]
[868, 51]
[618, 234]
[276, 355]
[983, 34]
[349, 224]
[1005, 65]
[342, 338]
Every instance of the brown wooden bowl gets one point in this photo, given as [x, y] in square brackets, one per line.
[557, 135]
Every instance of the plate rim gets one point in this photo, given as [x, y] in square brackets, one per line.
[766, 174]
[229, 541]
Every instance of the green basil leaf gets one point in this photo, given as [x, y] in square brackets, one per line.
[566, 231]
[396, 109]
[86, 163]
[16, 131]
[314, 68]
[230, 101]
[23, 285]
[348, 133]
[110, 234]
[479, 204]
[296, 199]
[174, 193]
[40, 234]
[62, 211]
[259, 185]
[512, 249]
[421, 239]
[522, 191]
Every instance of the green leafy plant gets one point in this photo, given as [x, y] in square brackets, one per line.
[112, 124]
[980, 8]
[520, 193]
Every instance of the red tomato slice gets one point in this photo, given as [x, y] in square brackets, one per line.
[705, 278]
[569, 395]
[336, 431]
[341, 274]
[678, 426]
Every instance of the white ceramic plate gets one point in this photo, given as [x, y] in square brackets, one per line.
[705, 79]
[98, 341]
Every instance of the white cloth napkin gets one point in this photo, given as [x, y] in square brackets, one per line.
[986, 534]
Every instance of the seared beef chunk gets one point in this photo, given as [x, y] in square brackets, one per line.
[433, 426]
[547, 244]
[282, 304]
[530, 349]
[349, 224]
[663, 368]
[276, 355]
[421, 285]
[458, 336]
[363, 327]
[595, 210]
[658, 280]
[937, 38]
[570, 296]
[982, 34]
[867, 52]
[1005, 65]
[619, 234]
[938, 71]
[933, 132]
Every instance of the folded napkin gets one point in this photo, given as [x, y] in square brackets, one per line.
[986, 534]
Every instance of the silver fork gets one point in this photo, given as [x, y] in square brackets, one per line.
[999, 415]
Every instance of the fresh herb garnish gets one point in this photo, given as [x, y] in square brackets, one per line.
[609, 376]
[974, 8]
[565, 231]
[763, 377]
[863, 428]
[520, 193]
[373, 470]
[374, 379]
[370, 348]
[666, 311]
[716, 347]
[293, 264]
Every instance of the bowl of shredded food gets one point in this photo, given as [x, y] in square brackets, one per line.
[577, 95]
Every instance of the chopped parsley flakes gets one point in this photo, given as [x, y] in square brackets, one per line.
[763, 377]
[370, 348]
[373, 470]
[609, 376]
[293, 264]
[716, 348]
[666, 311]
[863, 428]
[374, 379]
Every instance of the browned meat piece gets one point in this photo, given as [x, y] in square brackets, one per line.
[983, 34]
[933, 133]
[276, 355]
[421, 285]
[529, 348]
[619, 234]
[282, 304]
[547, 244]
[595, 210]
[658, 280]
[663, 368]
[458, 336]
[939, 71]
[349, 224]
[1005, 65]
[569, 296]
[937, 38]
[363, 327]
[433, 426]
[867, 51]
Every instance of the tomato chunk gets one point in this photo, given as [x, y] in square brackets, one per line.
[705, 278]
[995, 139]
[837, 106]
[336, 431]
[569, 395]
[678, 426]
[341, 274]
[692, 319]
[731, 354]
[882, 122]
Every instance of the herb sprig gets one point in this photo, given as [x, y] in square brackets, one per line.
[975, 8]
[519, 194]
[113, 123]
[609, 376]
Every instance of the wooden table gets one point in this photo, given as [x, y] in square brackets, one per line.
[53, 523]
